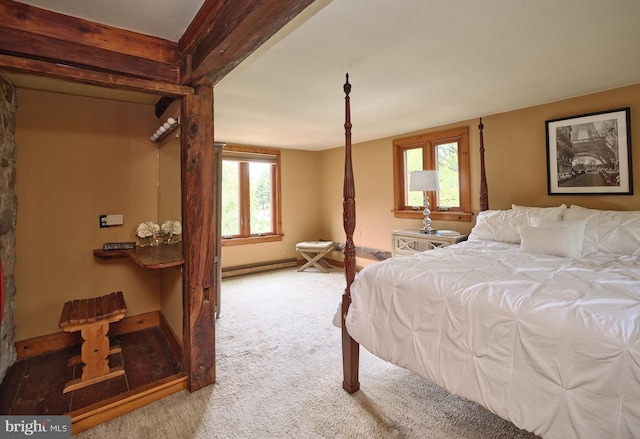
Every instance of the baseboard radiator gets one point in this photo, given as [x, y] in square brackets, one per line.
[239, 270]
[259, 267]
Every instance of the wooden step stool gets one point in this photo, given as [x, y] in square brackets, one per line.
[92, 318]
[313, 252]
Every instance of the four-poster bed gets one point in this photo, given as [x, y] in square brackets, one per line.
[536, 317]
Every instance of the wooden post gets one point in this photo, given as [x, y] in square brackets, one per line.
[484, 191]
[199, 283]
[350, 349]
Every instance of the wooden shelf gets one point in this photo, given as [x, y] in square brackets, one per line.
[161, 256]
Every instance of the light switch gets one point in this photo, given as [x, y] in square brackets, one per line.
[111, 220]
[115, 220]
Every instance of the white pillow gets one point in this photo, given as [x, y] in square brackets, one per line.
[495, 225]
[608, 231]
[550, 237]
[546, 212]
[502, 225]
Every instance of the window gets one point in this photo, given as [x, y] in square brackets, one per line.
[446, 151]
[250, 195]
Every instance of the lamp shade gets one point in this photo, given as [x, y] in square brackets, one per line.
[424, 181]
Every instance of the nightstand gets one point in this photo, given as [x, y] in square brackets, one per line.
[409, 242]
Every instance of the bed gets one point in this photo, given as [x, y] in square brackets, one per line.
[536, 317]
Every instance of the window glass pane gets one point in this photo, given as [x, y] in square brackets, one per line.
[447, 165]
[260, 201]
[413, 162]
[230, 194]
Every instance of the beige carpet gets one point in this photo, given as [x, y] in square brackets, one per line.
[279, 375]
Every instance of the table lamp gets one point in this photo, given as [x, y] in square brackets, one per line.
[425, 181]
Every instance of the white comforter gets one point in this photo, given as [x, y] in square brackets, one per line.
[551, 344]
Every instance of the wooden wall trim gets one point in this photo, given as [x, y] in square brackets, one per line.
[88, 417]
[170, 332]
[60, 340]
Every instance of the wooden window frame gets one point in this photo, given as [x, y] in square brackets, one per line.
[428, 142]
[245, 237]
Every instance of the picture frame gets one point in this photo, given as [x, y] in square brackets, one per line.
[590, 154]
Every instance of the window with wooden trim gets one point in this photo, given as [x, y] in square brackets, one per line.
[445, 151]
[250, 195]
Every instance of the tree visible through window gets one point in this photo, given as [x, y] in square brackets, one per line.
[445, 151]
[260, 191]
[250, 194]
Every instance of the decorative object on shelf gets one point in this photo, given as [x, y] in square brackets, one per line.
[448, 233]
[171, 230]
[148, 234]
[119, 246]
[425, 181]
[165, 129]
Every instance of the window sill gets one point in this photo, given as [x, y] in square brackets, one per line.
[250, 240]
[438, 215]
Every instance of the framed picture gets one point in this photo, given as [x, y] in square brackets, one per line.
[590, 154]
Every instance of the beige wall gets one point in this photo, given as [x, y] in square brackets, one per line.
[516, 152]
[78, 158]
[515, 161]
[169, 208]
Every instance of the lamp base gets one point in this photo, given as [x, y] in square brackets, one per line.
[428, 231]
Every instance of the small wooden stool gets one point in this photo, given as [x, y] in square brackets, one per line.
[92, 318]
[313, 252]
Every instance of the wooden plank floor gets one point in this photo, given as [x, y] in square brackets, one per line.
[33, 386]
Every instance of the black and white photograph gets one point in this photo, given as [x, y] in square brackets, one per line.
[590, 154]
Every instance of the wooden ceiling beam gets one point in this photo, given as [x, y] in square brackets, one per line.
[37, 47]
[224, 33]
[84, 46]
[19, 16]
[109, 80]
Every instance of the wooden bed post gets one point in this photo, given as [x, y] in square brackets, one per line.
[350, 349]
[484, 192]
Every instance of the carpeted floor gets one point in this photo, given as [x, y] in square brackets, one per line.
[279, 375]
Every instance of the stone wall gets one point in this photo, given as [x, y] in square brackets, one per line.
[8, 215]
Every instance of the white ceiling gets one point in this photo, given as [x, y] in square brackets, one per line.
[413, 64]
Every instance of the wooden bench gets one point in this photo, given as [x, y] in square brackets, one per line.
[92, 318]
